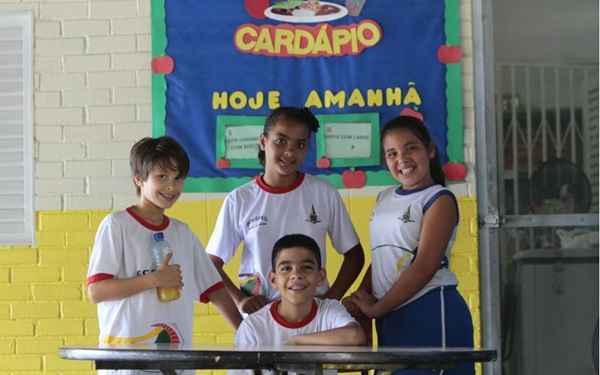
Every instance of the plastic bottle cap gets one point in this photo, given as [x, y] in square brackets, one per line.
[159, 236]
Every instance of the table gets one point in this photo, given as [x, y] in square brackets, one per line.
[308, 359]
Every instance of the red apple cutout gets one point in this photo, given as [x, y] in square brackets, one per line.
[354, 179]
[223, 163]
[455, 171]
[163, 65]
[256, 8]
[411, 113]
[449, 54]
[324, 162]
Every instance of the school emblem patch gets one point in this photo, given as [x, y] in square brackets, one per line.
[405, 218]
[313, 217]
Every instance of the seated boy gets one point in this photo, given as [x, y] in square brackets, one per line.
[122, 277]
[298, 318]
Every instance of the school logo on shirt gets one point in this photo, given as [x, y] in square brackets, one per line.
[313, 217]
[405, 218]
[256, 221]
[160, 333]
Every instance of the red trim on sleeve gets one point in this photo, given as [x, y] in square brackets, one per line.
[99, 277]
[260, 181]
[209, 291]
[148, 225]
[281, 320]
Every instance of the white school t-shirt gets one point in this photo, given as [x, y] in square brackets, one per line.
[395, 231]
[266, 327]
[122, 250]
[259, 215]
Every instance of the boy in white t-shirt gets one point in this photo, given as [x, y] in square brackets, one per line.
[299, 318]
[122, 279]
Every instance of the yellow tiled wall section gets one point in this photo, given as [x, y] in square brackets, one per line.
[42, 291]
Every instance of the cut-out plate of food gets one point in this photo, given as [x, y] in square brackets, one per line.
[305, 11]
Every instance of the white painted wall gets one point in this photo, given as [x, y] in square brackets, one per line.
[93, 100]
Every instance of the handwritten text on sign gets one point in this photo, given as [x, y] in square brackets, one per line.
[348, 140]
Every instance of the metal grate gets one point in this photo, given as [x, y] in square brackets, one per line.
[591, 118]
[544, 112]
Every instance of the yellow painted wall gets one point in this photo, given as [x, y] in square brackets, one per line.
[43, 304]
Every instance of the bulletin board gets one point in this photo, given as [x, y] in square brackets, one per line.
[220, 67]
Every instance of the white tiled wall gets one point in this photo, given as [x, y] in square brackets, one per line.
[92, 99]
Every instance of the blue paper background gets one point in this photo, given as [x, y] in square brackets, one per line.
[200, 40]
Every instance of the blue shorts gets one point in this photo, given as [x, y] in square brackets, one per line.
[440, 318]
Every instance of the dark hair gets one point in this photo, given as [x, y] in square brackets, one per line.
[292, 114]
[295, 240]
[417, 127]
[163, 151]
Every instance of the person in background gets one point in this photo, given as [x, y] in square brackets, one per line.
[122, 276]
[409, 289]
[280, 201]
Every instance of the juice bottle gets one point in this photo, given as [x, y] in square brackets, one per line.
[160, 248]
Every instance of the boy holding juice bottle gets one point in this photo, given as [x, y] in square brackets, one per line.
[145, 296]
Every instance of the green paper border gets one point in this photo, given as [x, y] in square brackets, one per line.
[222, 123]
[218, 184]
[213, 184]
[159, 84]
[371, 117]
[455, 125]
[454, 121]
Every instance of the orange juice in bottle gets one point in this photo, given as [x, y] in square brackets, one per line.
[167, 294]
[160, 249]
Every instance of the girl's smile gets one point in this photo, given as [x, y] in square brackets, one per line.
[407, 159]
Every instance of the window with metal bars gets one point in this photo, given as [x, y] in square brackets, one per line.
[16, 128]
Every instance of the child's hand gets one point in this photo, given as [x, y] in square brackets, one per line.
[250, 304]
[365, 322]
[168, 275]
[353, 308]
[365, 302]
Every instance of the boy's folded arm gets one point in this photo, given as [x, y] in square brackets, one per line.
[350, 334]
[114, 289]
